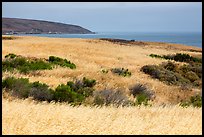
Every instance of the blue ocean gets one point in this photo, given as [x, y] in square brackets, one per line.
[187, 38]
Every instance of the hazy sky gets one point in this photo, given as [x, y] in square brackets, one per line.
[114, 16]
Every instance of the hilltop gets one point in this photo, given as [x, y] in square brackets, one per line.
[28, 26]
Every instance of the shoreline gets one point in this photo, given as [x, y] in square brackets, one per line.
[126, 42]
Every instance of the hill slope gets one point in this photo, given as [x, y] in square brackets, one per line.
[14, 25]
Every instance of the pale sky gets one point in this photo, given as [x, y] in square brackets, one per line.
[113, 16]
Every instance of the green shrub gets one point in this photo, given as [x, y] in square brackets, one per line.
[181, 57]
[172, 74]
[24, 65]
[142, 99]
[61, 62]
[142, 94]
[83, 87]
[104, 71]
[155, 56]
[121, 72]
[10, 55]
[39, 65]
[65, 93]
[153, 70]
[8, 82]
[138, 89]
[88, 82]
[17, 87]
[75, 92]
[195, 101]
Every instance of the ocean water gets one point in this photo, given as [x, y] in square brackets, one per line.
[188, 38]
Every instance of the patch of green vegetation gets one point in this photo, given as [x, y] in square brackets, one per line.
[181, 57]
[171, 73]
[25, 65]
[195, 101]
[121, 72]
[105, 71]
[83, 88]
[74, 93]
[64, 93]
[142, 99]
[10, 55]
[143, 94]
[155, 56]
[21, 88]
[61, 62]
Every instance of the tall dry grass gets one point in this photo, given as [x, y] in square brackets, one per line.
[27, 117]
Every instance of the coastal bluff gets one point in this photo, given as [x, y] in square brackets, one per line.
[28, 26]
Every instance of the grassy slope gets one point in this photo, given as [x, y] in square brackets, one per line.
[91, 56]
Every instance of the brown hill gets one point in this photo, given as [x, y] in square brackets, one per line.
[27, 26]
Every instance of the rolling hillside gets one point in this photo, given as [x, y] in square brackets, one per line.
[27, 26]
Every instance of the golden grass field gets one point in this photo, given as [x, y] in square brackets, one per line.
[27, 117]
[90, 56]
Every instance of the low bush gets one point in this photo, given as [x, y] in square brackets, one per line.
[104, 71]
[25, 65]
[153, 70]
[61, 62]
[141, 89]
[142, 94]
[22, 88]
[10, 55]
[89, 82]
[172, 74]
[155, 56]
[64, 93]
[109, 97]
[195, 101]
[142, 99]
[121, 71]
[40, 91]
[17, 87]
[181, 57]
[75, 92]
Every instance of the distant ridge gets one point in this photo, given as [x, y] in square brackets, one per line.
[28, 26]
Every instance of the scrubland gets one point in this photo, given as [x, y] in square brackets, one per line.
[91, 56]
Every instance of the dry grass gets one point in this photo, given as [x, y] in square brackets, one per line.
[27, 117]
[90, 56]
